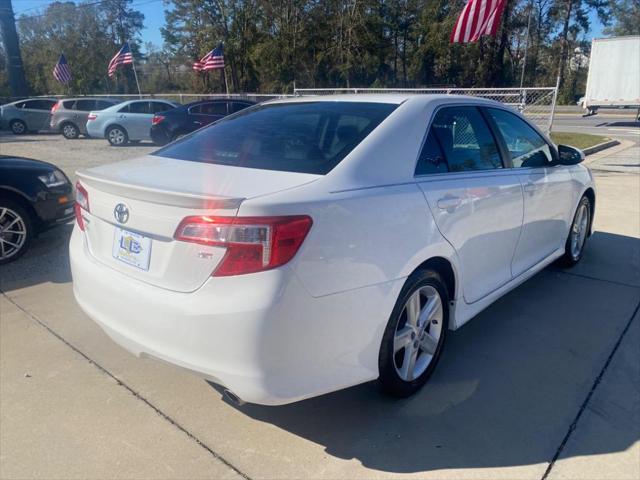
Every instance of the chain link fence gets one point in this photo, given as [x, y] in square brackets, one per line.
[176, 97]
[537, 104]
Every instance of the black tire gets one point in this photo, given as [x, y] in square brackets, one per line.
[390, 379]
[18, 127]
[161, 138]
[9, 211]
[70, 131]
[572, 256]
[117, 136]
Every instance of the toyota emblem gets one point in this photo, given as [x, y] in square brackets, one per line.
[121, 212]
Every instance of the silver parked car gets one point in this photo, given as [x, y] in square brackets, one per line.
[126, 122]
[69, 116]
[23, 116]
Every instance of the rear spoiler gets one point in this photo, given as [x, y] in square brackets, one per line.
[162, 197]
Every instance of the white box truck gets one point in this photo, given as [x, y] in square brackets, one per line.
[614, 74]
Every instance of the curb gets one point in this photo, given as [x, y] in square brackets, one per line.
[600, 147]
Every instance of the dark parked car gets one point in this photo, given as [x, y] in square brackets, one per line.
[69, 116]
[168, 126]
[34, 196]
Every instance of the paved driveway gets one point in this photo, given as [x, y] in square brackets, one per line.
[542, 383]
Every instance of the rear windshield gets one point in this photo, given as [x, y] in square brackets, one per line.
[310, 137]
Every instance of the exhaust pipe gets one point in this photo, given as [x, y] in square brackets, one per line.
[233, 398]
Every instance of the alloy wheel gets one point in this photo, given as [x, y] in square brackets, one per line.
[18, 128]
[579, 230]
[13, 233]
[116, 136]
[418, 333]
[69, 131]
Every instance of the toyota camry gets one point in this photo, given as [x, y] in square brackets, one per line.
[306, 245]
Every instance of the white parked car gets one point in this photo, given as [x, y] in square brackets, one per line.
[127, 121]
[306, 245]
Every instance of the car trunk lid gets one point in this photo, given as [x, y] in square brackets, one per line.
[138, 204]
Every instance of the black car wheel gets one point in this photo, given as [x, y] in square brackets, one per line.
[70, 131]
[18, 127]
[16, 230]
[160, 137]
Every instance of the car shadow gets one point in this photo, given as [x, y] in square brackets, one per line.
[47, 260]
[623, 124]
[507, 389]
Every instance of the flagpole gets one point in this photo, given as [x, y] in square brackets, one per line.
[226, 84]
[135, 74]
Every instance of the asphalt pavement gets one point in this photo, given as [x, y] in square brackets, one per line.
[542, 384]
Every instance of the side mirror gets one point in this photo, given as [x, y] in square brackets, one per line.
[569, 155]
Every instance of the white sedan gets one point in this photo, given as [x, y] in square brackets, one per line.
[306, 245]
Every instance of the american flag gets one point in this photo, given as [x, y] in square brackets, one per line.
[478, 17]
[123, 57]
[61, 71]
[212, 60]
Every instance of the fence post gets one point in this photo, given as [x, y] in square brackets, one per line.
[553, 105]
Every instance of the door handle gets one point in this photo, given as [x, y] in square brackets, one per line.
[449, 202]
[529, 187]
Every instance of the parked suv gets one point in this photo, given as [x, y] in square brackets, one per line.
[126, 122]
[23, 116]
[69, 116]
[170, 125]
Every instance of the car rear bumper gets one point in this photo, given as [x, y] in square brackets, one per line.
[262, 336]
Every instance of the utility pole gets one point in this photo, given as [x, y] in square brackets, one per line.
[15, 69]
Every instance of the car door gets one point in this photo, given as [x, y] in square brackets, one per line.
[476, 202]
[36, 113]
[137, 120]
[547, 187]
[206, 113]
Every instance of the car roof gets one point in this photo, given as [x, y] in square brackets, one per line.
[391, 98]
[127, 102]
[108, 99]
[218, 100]
[34, 98]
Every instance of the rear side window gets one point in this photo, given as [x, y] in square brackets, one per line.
[39, 104]
[213, 108]
[85, 105]
[237, 106]
[431, 158]
[310, 137]
[526, 147]
[139, 107]
[465, 139]
[69, 104]
[160, 107]
[102, 104]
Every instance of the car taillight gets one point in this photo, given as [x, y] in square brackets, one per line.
[157, 119]
[55, 107]
[253, 244]
[92, 116]
[82, 202]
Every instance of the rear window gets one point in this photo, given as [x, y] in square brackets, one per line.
[305, 137]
